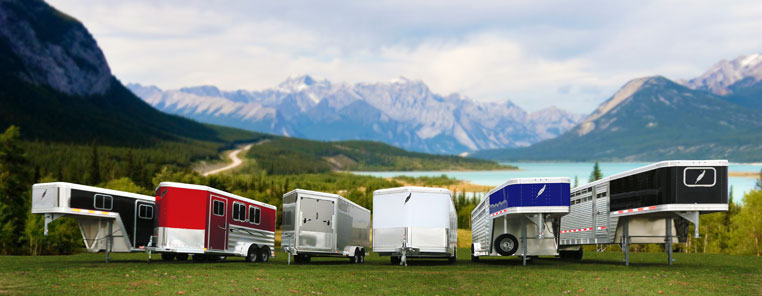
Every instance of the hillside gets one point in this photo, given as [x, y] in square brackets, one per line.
[654, 118]
[404, 113]
[281, 155]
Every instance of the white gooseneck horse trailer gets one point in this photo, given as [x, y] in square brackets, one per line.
[110, 220]
[499, 222]
[640, 205]
[324, 224]
[414, 222]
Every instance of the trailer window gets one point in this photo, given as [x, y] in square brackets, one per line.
[218, 208]
[103, 202]
[145, 212]
[239, 212]
[254, 214]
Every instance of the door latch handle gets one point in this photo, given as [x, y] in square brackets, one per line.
[223, 228]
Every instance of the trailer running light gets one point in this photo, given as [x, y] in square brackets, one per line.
[91, 211]
[583, 229]
[635, 210]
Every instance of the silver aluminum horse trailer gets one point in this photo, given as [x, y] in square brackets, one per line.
[651, 204]
[109, 220]
[414, 222]
[324, 224]
[499, 222]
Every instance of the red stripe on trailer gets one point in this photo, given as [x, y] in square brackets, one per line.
[579, 229]
[499, 212]
[636, 210]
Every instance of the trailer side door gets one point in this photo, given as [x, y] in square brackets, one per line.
[316, 224]
[217, 226]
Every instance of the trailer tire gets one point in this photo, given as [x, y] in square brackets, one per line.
[362, 255]
[395, 260]
[298, 259]
[473, 258]
[167, 256]
[182, 257]
[453, 258]
[253, 254]
[199, 257]
[264, 254]
[357, 257]
[578, 254]
[506, 244]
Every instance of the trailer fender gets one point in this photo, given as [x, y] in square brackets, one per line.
[349, 251]
[243, 249]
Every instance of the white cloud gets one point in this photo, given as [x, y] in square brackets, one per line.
[535, 53]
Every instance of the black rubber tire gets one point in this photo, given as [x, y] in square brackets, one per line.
[298, 259]
[182, 257]
[199, 258]
[307, 258]
[473, 258]
[167, 256]
[578, 254]
[356, 258]
[264, 254]
[506, 244]
[395, 260]
[253, 254]
[452, 259]
[362, 256]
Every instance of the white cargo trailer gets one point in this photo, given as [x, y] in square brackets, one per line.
[499, 222]
[324, 224]
[109, 220]
[414, 222]
[651, 204]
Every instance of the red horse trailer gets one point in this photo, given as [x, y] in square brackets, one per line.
[211, 224]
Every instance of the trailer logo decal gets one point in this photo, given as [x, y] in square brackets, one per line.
[43, 193]
[700, 176]
[541, 191]
[408, 198]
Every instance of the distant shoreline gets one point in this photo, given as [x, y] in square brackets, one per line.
[754, 175]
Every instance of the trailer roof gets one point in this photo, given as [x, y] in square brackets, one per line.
[214, 190]
[530, 181]
[324, 194]
[411, 189]
[96, 189]
[653, 166]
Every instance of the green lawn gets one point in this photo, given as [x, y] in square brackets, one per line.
[598, 273]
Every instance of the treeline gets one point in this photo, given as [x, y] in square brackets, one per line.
[280, 155]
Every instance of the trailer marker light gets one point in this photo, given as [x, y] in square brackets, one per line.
[91, 211]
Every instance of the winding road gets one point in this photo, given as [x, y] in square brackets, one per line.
[236, 161]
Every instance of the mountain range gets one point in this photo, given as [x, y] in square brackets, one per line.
[715, 115]
[404, 113]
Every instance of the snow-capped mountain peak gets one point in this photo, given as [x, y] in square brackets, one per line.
[402, 112]
[720, 78]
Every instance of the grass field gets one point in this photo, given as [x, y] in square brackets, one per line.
[597, 273]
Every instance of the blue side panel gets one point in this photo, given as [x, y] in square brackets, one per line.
[530, 195]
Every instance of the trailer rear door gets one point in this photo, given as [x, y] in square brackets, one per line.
[316, 224]
[217, 228]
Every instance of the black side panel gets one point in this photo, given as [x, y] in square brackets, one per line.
[670, 185]
[143, 225]
[125, 206]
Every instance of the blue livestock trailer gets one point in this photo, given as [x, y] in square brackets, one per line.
[499, 222]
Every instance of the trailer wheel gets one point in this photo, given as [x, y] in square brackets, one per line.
[306, 259]
[253, 254]
[395, 260]
[506, 244]
[298, 259]
[357, 258]
[264, 254]
[453, 258]
[473, 258]
[181, 257]
[362, 256]
[199, 257]
[167, 256]
[578, 254]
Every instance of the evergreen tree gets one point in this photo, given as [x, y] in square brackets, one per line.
[95, 168]
[15, 181]
[596, 174]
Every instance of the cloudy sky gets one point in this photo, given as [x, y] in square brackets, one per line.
[572, 54]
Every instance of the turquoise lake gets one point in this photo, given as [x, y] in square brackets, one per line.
[580, 170]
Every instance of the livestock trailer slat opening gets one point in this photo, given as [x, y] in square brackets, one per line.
[109, 220]
[416, 222]
[520, 217]
[652, 204]
[210, 224]
[318, 224]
